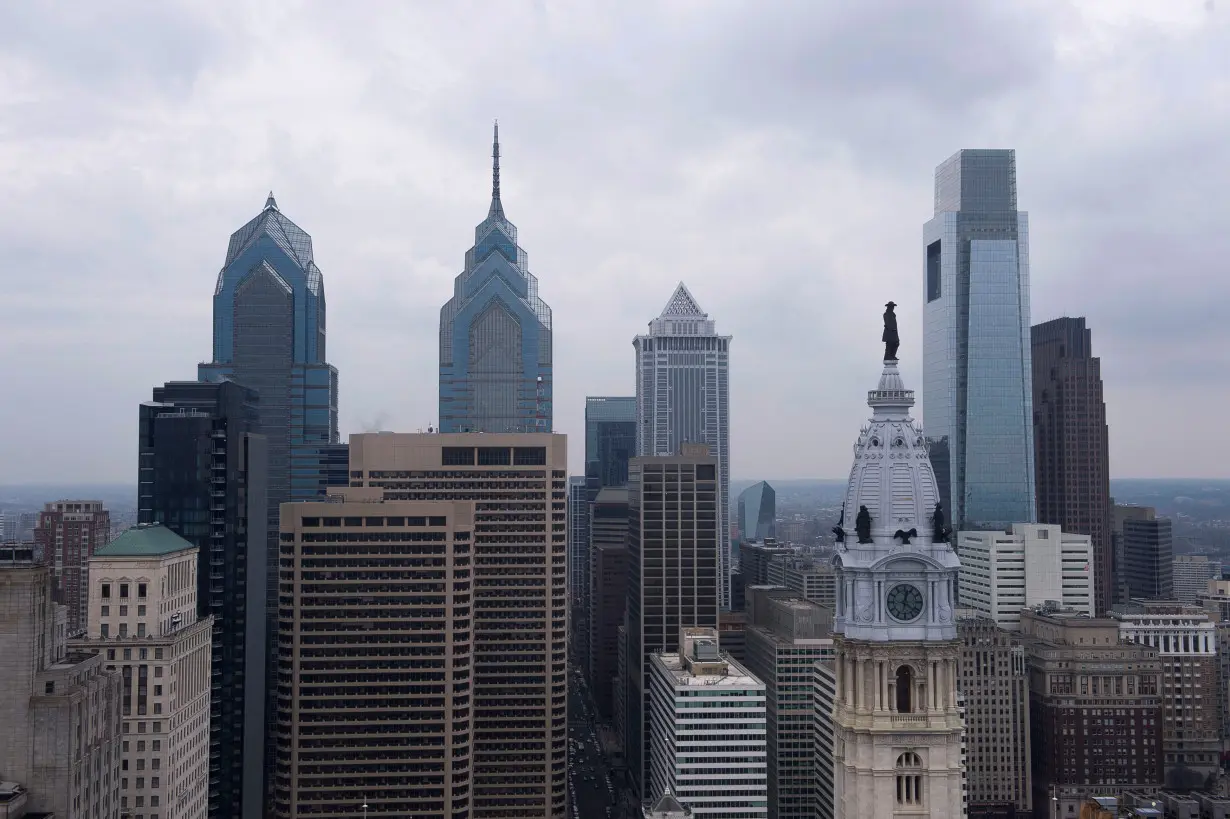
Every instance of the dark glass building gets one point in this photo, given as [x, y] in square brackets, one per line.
[977, 375]
[1071, 443]
[757, 512]
[610, 441]
[1148, 553]
[495, 334]
[202, 474]
[608, 592]
[672, 575]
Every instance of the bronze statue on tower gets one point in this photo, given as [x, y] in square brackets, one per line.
[890, 338]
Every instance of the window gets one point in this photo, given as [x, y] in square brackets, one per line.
[141, 587]
[457, 456]
[110, 653]
[123, 591]
[106, 611]
[156, 745]
[905, 685]
[494, 456]
[157, 690]
[530, 456]
[158, 654]
[934, 290]
[123, 611]
[124, 631]
[909, 779]
[141, 633]
[140, 611]
[105, 631]
[106, 591]
[705, 472]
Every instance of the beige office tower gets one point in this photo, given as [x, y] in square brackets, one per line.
[994, 679]
[60, 709]
[142, 618]
[517, 484]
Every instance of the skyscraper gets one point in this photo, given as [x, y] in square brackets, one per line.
[610, 441]
[519, 624]
[672, 576]
[495, 334]
[1071, 461]
[683, 397]
[202, 475]
[1148, 553]
[757, 512]
[977, 394]
[68, 532]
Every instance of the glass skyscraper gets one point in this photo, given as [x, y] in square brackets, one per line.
[757, 512]
[495, 334]
[269, 335]
[683, 397]
[977, 375]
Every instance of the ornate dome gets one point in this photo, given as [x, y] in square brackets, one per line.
[899, 584]
[892, 473]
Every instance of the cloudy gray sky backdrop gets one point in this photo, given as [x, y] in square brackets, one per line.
[778, 157]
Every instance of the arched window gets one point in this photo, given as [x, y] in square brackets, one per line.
[909, 779]
[905, 689]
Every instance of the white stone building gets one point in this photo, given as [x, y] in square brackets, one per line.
[708, 730]
[143, 620]
[897, 748]
[1031, 563]
[1192, 574]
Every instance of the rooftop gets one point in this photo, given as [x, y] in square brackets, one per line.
[145, 540]
[736, 676]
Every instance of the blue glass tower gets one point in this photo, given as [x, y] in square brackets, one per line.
[495, 334]
[269, 335]
[977, 371]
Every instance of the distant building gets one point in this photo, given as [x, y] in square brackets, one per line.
[683, 397]
[994, 683]
[143, 619]
[610, 440]
[811, 579]
[1191, 575]
[608, 592]
[202, 474]
[1079, 668]
[1216, 604]
[757, 512]
[60, 719]
[977, 372]
[578, 540]
[787, 638]
[346, 688]
[732, 634]
[1186, 640]
[672, 577]
[1005, 572]
[68, 533]
[1071, 442]
[495, 334]
[709, 729]
[754, 559]
[1148, 553]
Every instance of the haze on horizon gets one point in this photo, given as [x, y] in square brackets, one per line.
[777, 158]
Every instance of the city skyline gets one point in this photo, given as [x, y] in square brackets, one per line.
[789, 227]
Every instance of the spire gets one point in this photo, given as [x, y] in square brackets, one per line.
[271, 202]
[497, 207]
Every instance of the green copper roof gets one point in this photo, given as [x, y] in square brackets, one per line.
[145, 540]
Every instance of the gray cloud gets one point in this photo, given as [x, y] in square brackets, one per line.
[777, 158]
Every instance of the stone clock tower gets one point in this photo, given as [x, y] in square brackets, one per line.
[898, 731]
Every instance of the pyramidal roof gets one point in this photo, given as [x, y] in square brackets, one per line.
[682, 304]
[270, 222]
[668, 806]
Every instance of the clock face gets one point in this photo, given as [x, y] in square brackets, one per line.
[905, 602]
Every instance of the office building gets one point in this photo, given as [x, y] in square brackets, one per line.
[709, 729]
[824, 694]
[1071, 443]
[1191, 575]
[60, 714]
[1148, 553]
[898, 730]
[202, 474]
[495, 334]
[1186, 640]
[1004, 572]
[143, 619]
[977, 374]
[608, 593]
[994, 683]
[518, 483]
[672, 577]
[732, 634]
[683, 397]
[68, 532]
[786, 639]
[364, 722]
[755, 557]
[1095, 709]
[1215, 602]
[610, 440]
[757, 512]
[811, 579]
[578, 540]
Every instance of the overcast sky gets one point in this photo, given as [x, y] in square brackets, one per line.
[777, 157]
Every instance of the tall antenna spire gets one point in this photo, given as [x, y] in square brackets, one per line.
[497, 207]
